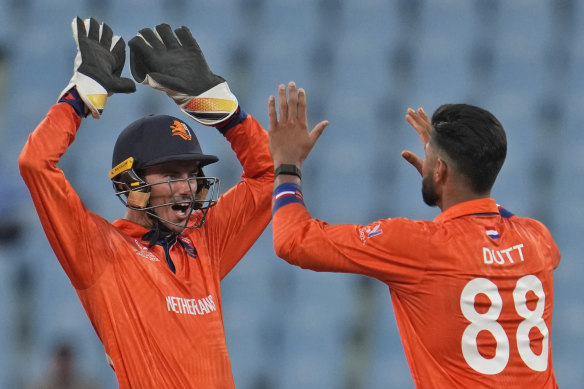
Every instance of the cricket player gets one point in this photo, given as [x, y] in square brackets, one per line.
[150, 281]
[472, 289]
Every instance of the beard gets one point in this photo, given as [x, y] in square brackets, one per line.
[429, 192]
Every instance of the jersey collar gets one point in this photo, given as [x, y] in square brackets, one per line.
[130, 228]
[471, 207]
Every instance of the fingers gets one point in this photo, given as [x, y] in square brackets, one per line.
[283, 103]
[119, 52]
[93, 32]
[139, 57]
[166, 35]
[272, 112]
[417, 119]
[292, 101]
[301, 106]
[138, 44]
[422, 114]
[420, 122]
[151, 38]
[186, 38]
[317, 131]
[291, 108]
[79, 28]
[413, 159]
[106, 37]
[124, 85]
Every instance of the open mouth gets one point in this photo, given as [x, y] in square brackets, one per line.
[181, 209]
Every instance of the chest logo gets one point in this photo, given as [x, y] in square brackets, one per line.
[143, 251]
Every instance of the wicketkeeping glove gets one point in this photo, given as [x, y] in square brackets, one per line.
[98, 64]
[176, 65]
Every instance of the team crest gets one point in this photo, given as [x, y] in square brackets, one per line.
[179, 129]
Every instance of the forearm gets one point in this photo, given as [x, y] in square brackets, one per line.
[309, 243]
[49, 141]
[249, 141]
[244, 211]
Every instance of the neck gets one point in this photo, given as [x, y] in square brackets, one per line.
[139, 217]
[455, 196]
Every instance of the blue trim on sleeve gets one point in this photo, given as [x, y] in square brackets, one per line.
[239, 116]
[72, 98]
[286, 193]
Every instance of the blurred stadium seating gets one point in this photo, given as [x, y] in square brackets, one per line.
[363, 63]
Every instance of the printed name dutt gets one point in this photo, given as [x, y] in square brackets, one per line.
[185, 306]
[501, 257]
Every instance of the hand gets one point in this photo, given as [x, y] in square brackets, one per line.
[289, 139]
[176, 65]
[98, 64]
[423, 127]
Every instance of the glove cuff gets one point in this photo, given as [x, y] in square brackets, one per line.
[91, 92]
[211, 107]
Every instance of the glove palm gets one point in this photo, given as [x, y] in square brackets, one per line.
[176, 65]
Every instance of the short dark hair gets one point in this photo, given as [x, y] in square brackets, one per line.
[473, 139]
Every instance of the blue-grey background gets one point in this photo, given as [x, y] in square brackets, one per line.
[362, 63]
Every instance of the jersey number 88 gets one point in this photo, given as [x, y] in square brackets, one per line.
[488, 322]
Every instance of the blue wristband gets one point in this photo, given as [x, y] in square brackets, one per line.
[72, 98]
[286, 193]
[239, 116]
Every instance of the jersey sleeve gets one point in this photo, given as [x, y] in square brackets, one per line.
[243, 212]
[387, 249]
[70, 228]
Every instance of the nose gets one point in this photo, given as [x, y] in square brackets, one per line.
[183, 186]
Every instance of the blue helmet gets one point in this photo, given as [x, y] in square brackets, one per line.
[153, 140]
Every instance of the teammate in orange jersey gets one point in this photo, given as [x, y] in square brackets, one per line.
[150, 282]
[473, 289]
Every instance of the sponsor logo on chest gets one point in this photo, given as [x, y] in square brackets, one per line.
[143, 251]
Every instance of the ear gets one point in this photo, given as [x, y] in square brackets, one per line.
[441, 172]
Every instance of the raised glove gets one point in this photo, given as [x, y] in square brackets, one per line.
[98, 65]
[176, 65]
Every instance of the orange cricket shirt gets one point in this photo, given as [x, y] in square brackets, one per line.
[159, 329]
[472, 290]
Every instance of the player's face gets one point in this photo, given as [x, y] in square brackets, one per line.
[181, 191]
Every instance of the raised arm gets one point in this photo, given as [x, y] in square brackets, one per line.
[70, 228]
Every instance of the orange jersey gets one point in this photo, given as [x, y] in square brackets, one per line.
[159, 329]
[472, 290]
